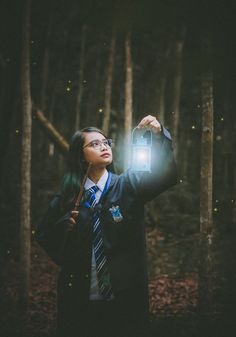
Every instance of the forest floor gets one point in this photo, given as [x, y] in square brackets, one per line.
[173, 302]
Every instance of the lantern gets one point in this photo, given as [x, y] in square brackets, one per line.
[141, 149]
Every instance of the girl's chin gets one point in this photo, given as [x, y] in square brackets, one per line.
[104, 163]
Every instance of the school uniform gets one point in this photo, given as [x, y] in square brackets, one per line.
[81, 310]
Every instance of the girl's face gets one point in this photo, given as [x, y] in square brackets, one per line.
[96, 149]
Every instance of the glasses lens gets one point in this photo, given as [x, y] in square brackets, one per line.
[109, 142]
[95, 144]
[98, 143]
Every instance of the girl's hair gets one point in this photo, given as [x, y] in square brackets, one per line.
[77, 166]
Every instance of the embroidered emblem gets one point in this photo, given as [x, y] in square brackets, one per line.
[116, 213]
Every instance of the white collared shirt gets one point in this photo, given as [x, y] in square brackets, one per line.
[94, 290]
[100, 184]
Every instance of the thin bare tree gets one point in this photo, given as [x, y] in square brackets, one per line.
[108, 86]
[177, 84]
[128, 113]
[162, 84]
[206, 192]
[25, 204]
[81, 78]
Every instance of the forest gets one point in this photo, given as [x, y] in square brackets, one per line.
[69, 64]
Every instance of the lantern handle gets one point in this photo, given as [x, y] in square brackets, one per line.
[137, 128]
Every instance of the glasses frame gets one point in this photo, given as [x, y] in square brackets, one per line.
[109, 143]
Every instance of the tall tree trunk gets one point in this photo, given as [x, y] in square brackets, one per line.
[233, 200]
[81, 78]
[161, 113]
[45, 80]
[46, 60]
[177, 82]
[95, 104]
[43, 103]
[128, 113]
[25, 229]
[108, 86]
[206, 191]
[163, 81]
[45, 68]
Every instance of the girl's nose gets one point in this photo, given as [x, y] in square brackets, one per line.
[103, 146]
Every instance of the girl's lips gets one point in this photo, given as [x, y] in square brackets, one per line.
[106, 154]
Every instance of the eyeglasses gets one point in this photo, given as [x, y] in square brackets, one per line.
[97, 144]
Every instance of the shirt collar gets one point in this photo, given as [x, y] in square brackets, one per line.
[100, 184]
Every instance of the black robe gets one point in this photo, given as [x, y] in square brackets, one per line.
[124, 241]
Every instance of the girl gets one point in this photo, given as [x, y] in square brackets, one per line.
[103, 286]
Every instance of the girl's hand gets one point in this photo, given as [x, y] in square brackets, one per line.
[72, 219]
[151, 123]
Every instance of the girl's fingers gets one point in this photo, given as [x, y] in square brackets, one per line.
[150, 122]
[72, 221]
[155, 126]
[146, 121]
[73, 217]
[74, 213]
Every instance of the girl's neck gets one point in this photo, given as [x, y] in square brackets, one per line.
[95, 173]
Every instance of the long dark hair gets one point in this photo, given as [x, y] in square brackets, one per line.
[77, 166]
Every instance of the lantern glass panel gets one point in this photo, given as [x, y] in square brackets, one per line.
[141, 158]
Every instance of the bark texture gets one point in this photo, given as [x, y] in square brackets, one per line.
[108, 86]
[206, 272]
[128, 99]
[25, 218]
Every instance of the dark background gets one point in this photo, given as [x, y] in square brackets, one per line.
[173, 219]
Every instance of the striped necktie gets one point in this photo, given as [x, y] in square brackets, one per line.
[100, 257]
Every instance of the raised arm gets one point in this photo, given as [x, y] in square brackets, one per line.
[163, 171]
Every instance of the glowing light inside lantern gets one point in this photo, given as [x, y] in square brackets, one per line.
[141, 158]
[141, 151]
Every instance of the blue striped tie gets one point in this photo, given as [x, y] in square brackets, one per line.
[100, 257]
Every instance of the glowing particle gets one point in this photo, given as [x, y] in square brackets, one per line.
[69, 81]
[32, 41]
[68, 89]
[100, 110]
[71, 275]
[35, 255]
[193, 127]
[215, 209]
[70, 284]
[198, 106]
[181, 181]
[222, 119]
[217, 200]
[8, 252]
[219, 138]
[232, 200]
[33, 232]
[84, 81]
[17, 131]
[209, 238]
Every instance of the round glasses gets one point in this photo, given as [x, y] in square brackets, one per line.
[97, 144]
